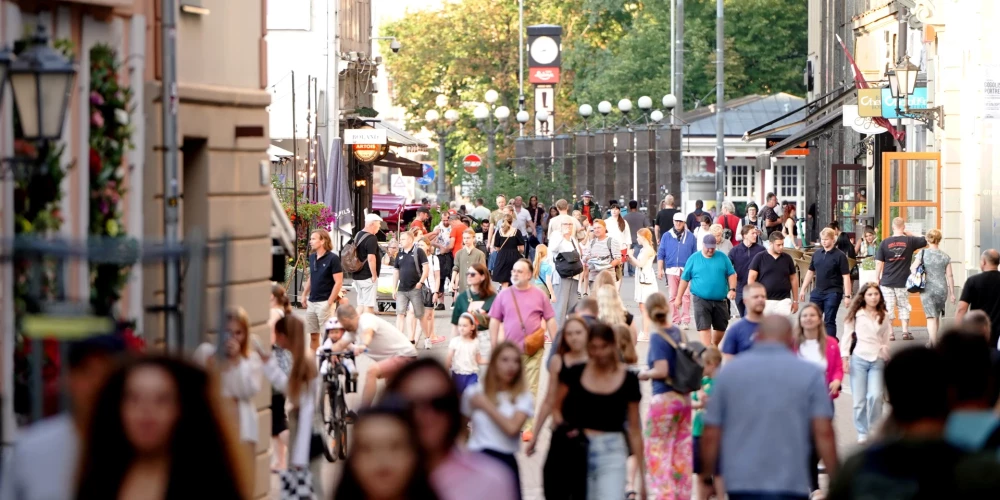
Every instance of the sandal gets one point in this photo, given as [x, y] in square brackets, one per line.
[892, 336]
[907, 336]
[630, 495]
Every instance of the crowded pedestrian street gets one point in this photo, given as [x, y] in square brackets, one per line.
[499, 250]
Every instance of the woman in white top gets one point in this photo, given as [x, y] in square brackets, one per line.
[869, 321]
[645, 276]
[240, 373]
[704, 225]
[723, 245]
[498, 408]
[300, 385]
[618, 229]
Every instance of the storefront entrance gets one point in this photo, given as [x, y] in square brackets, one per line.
[850, 199]
[911, 189]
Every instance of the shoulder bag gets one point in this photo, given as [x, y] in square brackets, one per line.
[917, 281]
[480, 316]
[568, 264]
[534, 341]
[491, 262]
[426, 295]
[620, 267]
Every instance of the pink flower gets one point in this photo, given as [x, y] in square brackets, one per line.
[96, 119]
[96, 98]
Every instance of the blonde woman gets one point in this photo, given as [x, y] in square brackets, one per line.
[723, 245]
[645, 276]
[940, 287]
[510, 248]
[543, 272]
[611, 310]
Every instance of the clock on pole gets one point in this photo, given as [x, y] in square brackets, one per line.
[544, 60]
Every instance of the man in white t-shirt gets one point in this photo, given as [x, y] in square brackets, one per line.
[386, 345]
[555, 224]
[522, 218]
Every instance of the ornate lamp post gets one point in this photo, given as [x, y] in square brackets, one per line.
[486, 123]
[441, 130]
[41, 80]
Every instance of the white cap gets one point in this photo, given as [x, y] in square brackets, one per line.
[372, 218]
[679, 216]
[333, 324]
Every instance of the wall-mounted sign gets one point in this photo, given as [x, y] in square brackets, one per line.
[367, 135]
[801, 149]
[429, 175]
[869, 103]
[860, 124]
[369, 153]
[918, 100]
[543, 75]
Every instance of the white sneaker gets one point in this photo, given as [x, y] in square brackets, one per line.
[427, 344]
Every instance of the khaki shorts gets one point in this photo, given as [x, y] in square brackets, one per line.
[387, 368]
[897, 298]
[316, 315]
[365, 291]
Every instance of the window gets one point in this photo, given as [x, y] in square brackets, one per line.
[788, 181]
[740, 181]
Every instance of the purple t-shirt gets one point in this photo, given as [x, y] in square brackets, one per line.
[535, 310]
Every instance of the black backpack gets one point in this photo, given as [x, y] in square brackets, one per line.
[687, 368]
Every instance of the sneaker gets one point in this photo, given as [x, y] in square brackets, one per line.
[439, 307]
[427, 344]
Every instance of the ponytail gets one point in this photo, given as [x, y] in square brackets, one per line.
[658, 309]
[278, 292]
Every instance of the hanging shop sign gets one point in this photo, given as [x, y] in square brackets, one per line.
[869, 103]
[369, 153]
[858, 123]
[368, 144]
[917, 100]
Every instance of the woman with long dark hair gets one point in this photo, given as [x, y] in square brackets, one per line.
[157, 432]
[571, 350]
[280, 308]
[385, 461]
[867, 319]
[510, 248]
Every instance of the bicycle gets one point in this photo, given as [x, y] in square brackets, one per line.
[333, 405]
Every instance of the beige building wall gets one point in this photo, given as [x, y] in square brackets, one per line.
[222, 131]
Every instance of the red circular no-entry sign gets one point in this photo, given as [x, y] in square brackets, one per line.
[472, 163]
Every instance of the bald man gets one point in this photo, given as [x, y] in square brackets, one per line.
[980, 292]
[742, 418]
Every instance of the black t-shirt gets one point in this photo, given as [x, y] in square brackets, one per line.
[897, 252]
[665, 219]
[766, 215]
[774, 273]
[599, 412]
[368, 245]
[321, 271]
[982, 291]
[694, 219]
[409, 272]
[830, 268]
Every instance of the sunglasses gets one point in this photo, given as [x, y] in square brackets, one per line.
[472, 274]
[439, 404]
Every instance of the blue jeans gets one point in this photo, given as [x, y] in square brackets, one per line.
[866, 389]
[829, 302]
[606, 457]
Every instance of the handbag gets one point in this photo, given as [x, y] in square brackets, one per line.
[481, 318]
[297, 484]
[854, 342]
[534, 341]
[568, 264]
[917, 281]
[643, 277]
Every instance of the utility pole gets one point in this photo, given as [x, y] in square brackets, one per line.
[295, 188]
[309, 149]
[520, 61]
[678, 77]
[171, 194]
[720, 80]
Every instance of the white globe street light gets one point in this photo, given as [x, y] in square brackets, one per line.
[625, 106]
[451, 115]
[432, 115]
[586, 110]
[669, 102]
[502, 113]
[481, 112]
[542, 115]
[523, 117]
[441, 100]
[604, 107]
[656, 116]
[645, 103]
[491, 96]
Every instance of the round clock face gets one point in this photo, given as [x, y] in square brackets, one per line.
[544, 50]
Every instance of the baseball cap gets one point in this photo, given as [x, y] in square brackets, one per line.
[709, 241]
[679, 216]
[333, 324]
[372, 218]
[588, 194]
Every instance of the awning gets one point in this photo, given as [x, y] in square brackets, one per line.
[277, 153]
[406, 166]
[811, 131]
[759, 132]
[398, 136]
[387, 202]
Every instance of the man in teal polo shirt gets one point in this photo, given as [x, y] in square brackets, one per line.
[712, 279]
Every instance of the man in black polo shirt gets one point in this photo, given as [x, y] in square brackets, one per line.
[411, 274]
[833, 278]
[741, 255]
[665, 217]
[769, 219]
[322, 289]
[777, 272]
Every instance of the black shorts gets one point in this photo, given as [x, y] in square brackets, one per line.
[447, 262]
[710, 314]
[696, 455]
[279, 422]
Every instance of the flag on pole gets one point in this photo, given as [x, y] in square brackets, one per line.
[861, 83]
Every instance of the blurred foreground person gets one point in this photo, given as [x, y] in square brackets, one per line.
[385, 461]
[44, 459]
[967, 365]
[917, 463]
[455, 474]
[157, 432]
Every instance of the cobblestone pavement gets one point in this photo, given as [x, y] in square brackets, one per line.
[531, 467]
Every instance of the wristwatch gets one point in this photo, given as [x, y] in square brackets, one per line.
[732, 289]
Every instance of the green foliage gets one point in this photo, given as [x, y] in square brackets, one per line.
[547, 183]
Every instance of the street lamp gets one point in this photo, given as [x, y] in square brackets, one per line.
[902, 84]
[41, 80]
[433, 118]
[485, 122]
[625, 106]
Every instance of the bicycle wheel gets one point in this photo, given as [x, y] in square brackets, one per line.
[340, 431]
[326, 408]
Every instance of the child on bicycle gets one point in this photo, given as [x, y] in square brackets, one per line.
[464, 357]
[334, 331]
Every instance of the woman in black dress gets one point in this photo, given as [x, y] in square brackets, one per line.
[510, 248]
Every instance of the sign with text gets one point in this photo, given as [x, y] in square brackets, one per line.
[365, 136]
[917, 100]
[870, 103]
[991, 92]
[472, 162]
[543, 75]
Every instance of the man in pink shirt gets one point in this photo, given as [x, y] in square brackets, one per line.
[455, 473]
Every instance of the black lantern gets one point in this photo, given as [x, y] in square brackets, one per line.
[6, 57]
[41, 80]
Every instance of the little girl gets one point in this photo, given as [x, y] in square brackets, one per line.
[464, 357]
[711, 358]
[499, 407]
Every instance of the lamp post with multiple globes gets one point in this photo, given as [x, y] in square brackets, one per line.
[492, 124]
[441, 129]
